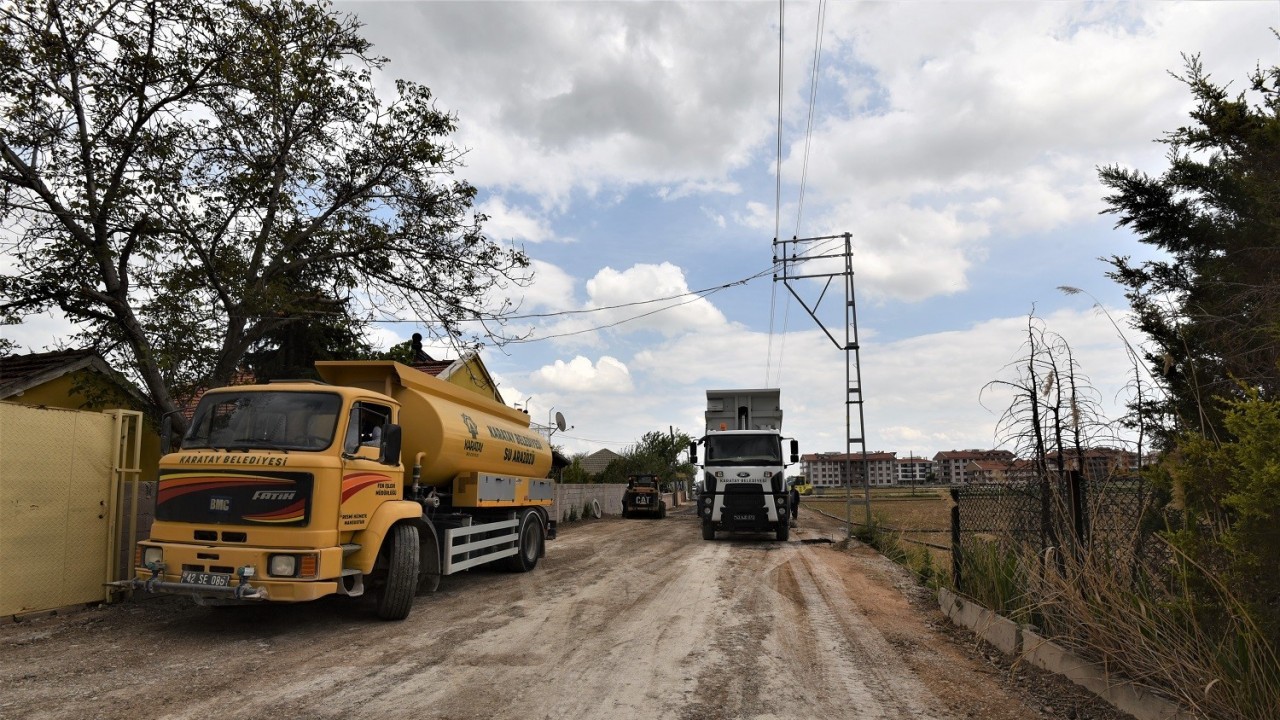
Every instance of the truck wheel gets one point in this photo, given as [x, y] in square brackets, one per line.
[708, 531]
[662, 510]
[784, 531]
[529, 543]
[395, 597]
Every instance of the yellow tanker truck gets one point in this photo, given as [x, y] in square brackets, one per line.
[292, 491]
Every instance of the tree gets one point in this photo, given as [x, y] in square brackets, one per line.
[186, 180]
[1212, 306]
[657, 453]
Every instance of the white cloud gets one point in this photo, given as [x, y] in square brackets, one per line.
[606, 376]
[513, 224]
[44, 332]
[556, 97]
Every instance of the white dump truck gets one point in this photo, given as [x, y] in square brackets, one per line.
[743, 486]
[292, 491]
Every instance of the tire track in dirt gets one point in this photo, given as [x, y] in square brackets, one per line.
[623, 619]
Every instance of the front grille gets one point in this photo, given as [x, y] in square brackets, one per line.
[747, 498]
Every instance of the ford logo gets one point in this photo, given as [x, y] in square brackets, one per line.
[744, 474]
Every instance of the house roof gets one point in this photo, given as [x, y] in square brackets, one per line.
[973, 455]
[445, 369]
[596, 462]
[19, 373]
[872, 456]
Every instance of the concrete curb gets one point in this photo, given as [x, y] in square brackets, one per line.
[1013, 639]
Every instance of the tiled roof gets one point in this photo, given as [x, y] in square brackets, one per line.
[876, 456]
[973, 455]
[596, 462]
[23, 372]
[432, 367]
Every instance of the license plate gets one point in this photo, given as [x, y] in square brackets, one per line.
[744, 517]
[203, 578]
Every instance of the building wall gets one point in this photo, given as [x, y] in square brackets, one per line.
[61, 393]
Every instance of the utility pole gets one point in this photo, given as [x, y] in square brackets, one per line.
[790, 258]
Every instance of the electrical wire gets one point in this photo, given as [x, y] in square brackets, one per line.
[814, 74]
[777, 190]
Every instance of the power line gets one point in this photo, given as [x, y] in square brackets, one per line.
[814, 74]
[777, 189]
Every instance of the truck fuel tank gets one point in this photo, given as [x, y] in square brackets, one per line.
[460, 431]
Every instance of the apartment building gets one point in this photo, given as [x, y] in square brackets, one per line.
[949, 465]
[914, 470]
[999, 472]
[833, 469]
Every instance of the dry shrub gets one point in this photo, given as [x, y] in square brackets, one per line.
[1207, 654]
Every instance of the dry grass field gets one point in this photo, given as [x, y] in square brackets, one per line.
[922, 515]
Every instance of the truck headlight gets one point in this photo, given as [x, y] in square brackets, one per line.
[282, 565]
[152, 555]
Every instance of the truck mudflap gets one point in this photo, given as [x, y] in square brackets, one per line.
[156, 584]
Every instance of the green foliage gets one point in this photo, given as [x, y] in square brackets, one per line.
[237, 185]
[657, 453]
[1211, 303]
[574, 473]
[1232, 488]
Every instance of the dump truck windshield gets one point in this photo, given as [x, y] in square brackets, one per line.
[264, 420]
[744, 449]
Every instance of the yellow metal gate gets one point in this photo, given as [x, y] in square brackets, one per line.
[61, 478]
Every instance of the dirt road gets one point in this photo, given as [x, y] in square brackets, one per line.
[623, 619]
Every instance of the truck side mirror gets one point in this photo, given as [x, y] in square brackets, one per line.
[693, 453]
[795, 451]
[166, 435]
[389, 449]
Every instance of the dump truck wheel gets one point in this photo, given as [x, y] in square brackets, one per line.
[784, 531]
[395, 597]
[708, 531]
[529, 543]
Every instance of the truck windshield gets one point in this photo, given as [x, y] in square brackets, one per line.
[744, 449]
[264, 420]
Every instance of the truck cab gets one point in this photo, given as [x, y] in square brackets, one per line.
[293, 491]
[743, 483]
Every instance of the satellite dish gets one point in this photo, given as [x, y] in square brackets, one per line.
[560, 421]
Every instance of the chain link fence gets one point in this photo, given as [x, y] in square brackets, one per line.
[1112, 519]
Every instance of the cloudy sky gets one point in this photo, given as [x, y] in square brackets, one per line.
[630, 148]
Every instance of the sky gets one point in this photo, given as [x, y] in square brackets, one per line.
[631, 150]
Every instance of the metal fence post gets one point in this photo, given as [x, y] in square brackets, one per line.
[955, 538]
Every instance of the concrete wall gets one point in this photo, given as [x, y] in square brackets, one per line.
[609, 496]
[1021, 640]
[576, 496]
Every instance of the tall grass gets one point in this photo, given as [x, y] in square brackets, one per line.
[1209, 656]
[892, 545]
[997, 576]
[1152, 626]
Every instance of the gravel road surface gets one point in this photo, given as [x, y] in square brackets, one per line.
[623, 619]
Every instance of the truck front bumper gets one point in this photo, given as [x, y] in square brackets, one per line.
[234, 574]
